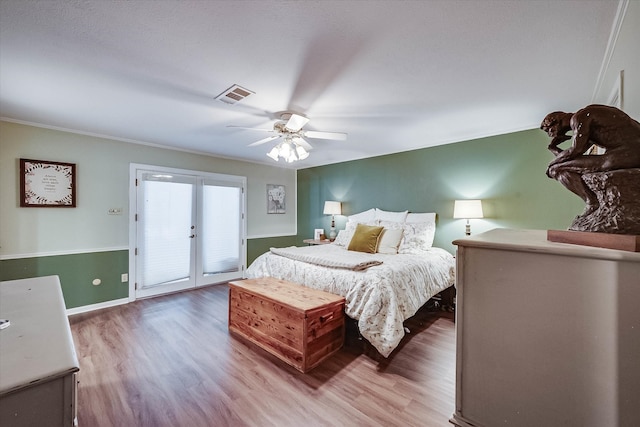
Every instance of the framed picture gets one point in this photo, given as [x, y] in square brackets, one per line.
[318, 234]
[276, 199]
[47, 184]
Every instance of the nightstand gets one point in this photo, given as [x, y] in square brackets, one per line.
[316, 242]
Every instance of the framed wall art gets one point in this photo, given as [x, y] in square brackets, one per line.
[47, 184]
[276, 199]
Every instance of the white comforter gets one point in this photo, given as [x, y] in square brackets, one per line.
[381, 297]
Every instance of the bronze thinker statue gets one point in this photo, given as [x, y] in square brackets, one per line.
[609, 183]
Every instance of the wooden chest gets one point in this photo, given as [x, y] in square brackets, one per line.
[300, 325]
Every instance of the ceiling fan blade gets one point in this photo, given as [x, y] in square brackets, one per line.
[296, 122]
[248, 128]
[300, 141]
[263, 140]
[340, 136]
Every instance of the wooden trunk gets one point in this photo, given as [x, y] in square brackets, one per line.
[299, 325]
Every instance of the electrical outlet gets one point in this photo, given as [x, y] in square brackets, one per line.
[124, 277]
[115, 211]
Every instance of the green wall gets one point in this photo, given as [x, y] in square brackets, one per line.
[257, 247]
[76, 272]
[507, 172]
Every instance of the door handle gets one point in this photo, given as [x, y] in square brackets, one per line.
[192, 236]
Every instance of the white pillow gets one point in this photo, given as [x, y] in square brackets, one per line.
[389, 241]
[344, 236]
[391, 224]
[363, 217]
[391, 216]
[421, 217]
[417, 237]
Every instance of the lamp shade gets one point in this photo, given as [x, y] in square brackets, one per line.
[467, 209]
[332, 208]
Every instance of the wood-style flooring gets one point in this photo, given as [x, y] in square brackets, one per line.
[170, 361]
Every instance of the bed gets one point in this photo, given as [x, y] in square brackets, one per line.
[382, 287]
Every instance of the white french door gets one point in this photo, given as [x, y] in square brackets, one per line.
[221, 246]
[188, 229]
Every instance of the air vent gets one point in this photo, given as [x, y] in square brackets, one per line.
[234, 94]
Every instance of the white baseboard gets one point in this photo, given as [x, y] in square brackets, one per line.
[98, 306]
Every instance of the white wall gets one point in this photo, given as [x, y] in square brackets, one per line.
[103, 183]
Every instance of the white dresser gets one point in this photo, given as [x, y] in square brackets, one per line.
[548, 334]
[38, 362]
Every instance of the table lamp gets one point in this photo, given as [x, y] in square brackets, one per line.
[332, 208]
[467, 209]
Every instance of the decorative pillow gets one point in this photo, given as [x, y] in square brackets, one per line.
[391, 216]
[343, 239]
[389, 241]
[363, 217]
[365, 238]
[417, 237]
[344, 236]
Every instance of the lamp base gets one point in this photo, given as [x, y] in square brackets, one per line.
[332, 234]
[332, 230]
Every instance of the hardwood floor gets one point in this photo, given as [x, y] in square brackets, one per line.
[170, 361]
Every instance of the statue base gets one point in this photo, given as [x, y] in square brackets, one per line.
[618, 211]
[623, 242]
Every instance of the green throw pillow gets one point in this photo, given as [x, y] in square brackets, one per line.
[365, 238]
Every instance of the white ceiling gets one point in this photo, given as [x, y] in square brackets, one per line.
[394, 75]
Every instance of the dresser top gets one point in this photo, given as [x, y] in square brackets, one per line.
[536, 241]
[38, 345]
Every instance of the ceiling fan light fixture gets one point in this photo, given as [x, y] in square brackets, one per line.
[274, 153]
[301, 152]
[294, 147]
[289, 151]
[285, 150]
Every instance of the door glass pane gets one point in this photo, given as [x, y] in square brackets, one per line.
[167, 225]
[221, 229]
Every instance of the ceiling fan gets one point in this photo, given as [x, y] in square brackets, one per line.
[294, 147]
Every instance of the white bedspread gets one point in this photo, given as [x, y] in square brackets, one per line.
[381, 297]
